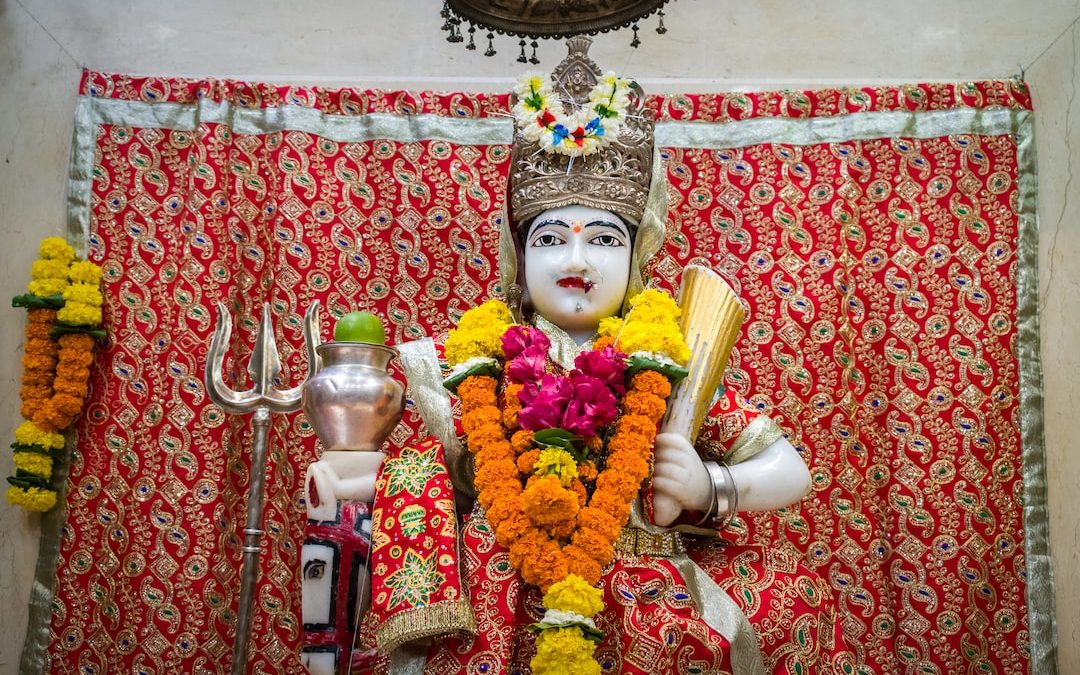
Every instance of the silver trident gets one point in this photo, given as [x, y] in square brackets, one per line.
[263, 398]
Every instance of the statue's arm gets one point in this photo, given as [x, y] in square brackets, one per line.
[772, 479]
[767, 471]
[419, 360]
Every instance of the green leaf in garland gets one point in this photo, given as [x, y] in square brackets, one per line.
[56, 454]
[674, 373]
[588, 632]
[488, 367]
[61, 328]
[30, 301]
[560, 439]
[26, 480]
[605, 112]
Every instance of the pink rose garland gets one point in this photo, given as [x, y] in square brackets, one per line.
[581, 403]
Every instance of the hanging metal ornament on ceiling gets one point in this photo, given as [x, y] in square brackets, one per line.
[532, 20]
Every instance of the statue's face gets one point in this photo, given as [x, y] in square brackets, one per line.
[317, 562]
[577, 264]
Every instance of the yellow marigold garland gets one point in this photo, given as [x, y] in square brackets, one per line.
[564, 650]
[33, 462]
[64, 312]
[32, 498]
[652, 326]
[478, 333]
[28, 434]
[574, 594]
[558, 538]
[558, 463]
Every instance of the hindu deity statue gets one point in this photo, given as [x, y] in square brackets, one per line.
[559, 518]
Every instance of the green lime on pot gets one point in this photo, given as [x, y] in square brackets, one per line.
[360, 327]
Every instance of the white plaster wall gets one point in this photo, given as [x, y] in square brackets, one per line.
[37, 91]
[1055, 80]
[710, 46]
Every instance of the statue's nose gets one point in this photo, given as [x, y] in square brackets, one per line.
[576, 260]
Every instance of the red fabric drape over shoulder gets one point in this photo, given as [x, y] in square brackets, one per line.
[879, 275]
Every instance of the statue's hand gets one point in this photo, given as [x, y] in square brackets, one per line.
[680, 479]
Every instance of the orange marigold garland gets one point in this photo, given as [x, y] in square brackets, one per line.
[532, 470]
[64, 301]
[39, 360]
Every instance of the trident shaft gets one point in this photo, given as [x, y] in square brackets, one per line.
[263, 398]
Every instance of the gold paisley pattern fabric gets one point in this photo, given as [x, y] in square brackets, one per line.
[880, 239]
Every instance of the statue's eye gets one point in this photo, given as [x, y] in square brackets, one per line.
[547, 239]
[605, 240]
[314, 569]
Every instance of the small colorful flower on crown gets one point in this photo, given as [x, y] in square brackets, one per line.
[578, 133]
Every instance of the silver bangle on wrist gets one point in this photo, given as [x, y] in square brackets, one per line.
[725, 496]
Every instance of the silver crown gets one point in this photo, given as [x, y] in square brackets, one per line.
[614, 178]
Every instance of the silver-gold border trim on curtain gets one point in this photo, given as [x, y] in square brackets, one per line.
[1042, 622]
[92, 112]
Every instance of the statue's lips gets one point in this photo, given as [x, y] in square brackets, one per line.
[576, 282]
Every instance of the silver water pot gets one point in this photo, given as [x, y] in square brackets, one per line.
[352, 401]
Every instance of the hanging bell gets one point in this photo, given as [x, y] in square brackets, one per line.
[448, 25]
[532, 28]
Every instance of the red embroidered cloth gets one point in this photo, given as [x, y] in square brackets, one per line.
[655, 605]
[879, 274]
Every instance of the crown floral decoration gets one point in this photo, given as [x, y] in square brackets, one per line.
[543, 118]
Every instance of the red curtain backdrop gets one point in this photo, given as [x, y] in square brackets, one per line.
[880, 277]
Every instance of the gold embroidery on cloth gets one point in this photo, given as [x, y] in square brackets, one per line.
[758, 435]
[633, 541]
[440, 618]
[722, 613]
[421, 365]
[563, 349]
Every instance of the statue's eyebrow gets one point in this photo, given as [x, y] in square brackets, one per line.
[549, 221]
[618, 225]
